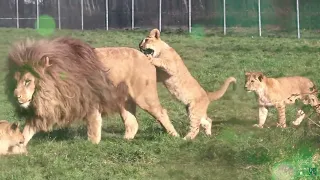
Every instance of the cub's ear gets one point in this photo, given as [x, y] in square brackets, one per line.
[155, 33]
[46, 63]
[14, 126]
[260, 77]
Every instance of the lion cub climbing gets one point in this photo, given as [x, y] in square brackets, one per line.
[279, 92]
[10, 138]
[179, 81]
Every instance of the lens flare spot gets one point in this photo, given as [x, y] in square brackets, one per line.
[197, 32]
[47, 25]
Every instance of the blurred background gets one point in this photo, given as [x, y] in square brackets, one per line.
[240, 15]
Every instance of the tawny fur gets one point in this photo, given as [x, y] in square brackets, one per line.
[132, 67]
[179, 81]
[10, 138]
[61, 80]
[279, 92]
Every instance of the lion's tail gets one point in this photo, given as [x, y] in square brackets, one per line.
[218, 94]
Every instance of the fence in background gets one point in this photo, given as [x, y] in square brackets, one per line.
[259, 15]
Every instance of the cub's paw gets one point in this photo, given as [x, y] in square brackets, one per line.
[18, 150]
[281, 125]
[258, 126]
[295, 123]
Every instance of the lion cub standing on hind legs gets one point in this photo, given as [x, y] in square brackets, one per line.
[279, 92]
[179, 81]
[10, 138]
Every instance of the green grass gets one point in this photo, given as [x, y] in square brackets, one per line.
[236, 150]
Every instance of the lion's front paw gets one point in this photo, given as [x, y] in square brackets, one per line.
[258, 126]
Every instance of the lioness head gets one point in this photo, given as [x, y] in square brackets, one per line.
[254, 81]
[25, 88]
[152, 44]
[12, 134]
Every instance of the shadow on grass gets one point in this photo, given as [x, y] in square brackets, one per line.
[149, 133]
[63, 134]
[70, 133]
[234, 121]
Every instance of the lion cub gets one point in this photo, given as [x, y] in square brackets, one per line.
[10, 138]
[279, 92]
[172, 71]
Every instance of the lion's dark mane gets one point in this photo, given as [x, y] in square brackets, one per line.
[74, 84]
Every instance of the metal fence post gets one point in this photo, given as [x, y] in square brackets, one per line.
[160, 11]
[37, 2]
[259, 11]
[132, 14]
[59, 15]
[190, 16]
[298, 19]
[224, 18]
[81, 14]
[17, 12]
[107, 15]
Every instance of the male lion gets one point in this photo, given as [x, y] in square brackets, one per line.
[178, 80]
[279, 92]
[10, 137]
[62, 80]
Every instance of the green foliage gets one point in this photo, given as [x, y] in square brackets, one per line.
[236, 150]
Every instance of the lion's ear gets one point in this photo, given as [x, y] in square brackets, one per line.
[17, 76]
[155, 33]
[260, 77]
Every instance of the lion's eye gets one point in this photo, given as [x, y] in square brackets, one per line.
[26, 82]
[252, 80]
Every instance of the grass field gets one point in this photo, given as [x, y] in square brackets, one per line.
[236, 150]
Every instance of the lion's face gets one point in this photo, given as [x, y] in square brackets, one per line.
[25, 88]
[13, 135]
[153, 42]
[254, 81]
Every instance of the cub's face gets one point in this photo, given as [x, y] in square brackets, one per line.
[152, 43]
[13, 135]
[25, 88]
[254, 81]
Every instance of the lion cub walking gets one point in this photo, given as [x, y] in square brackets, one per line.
[279, 92]
[10, 138]
[178, 80]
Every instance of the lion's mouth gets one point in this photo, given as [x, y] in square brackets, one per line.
[147, 51]
[25, 104]
[248, 90]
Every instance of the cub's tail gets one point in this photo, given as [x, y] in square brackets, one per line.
[218, 94]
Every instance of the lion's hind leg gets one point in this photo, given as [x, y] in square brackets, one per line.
[94, 125]
[130, 122]
[152, 105]
[310, 99]
[197, 115]
[300, 116]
